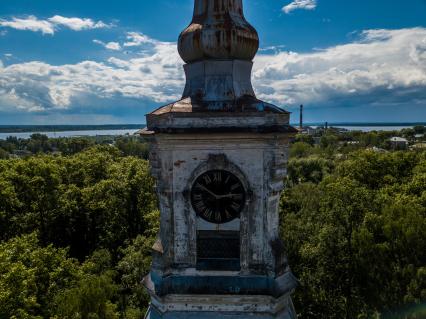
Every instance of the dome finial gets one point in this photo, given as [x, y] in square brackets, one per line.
[218, 31]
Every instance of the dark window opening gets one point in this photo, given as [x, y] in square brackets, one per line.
[218, 250]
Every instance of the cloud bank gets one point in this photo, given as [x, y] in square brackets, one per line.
[40, 87]
[30, 23]
[114, 46]
[383, 67]
[77, 24]
[300, 4]
[49, 26]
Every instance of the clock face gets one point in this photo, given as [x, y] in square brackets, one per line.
[218, 196]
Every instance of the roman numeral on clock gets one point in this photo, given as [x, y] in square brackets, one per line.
[207, 179]
[200, 206]
[208, 213]
[217, 177]
[235, 186]
[235, 206]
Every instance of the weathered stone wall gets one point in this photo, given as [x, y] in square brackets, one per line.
[258, 159]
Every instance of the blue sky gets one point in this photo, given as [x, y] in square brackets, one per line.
[84, 62]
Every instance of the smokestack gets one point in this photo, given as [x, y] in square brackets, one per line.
[301, 118]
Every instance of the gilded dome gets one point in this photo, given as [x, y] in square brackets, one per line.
[218, 31]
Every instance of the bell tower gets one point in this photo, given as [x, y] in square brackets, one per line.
[219, 158]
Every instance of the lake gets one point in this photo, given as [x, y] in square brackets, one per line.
[27, 135]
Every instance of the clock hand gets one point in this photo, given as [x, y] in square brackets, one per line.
[228, 195]
[209, 191]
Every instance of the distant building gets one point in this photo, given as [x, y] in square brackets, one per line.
[419, 136]
[399, 142]
[309, 130]
[418, 146]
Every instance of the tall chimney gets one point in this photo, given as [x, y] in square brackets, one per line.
[301, 118]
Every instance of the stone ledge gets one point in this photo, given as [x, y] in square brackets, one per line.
[215, 307]
[220, 285]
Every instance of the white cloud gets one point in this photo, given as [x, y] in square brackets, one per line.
[30, 23]
[114, 46]
[135, 39]
[384, 67]
[300, 4]
[36, 86]
[49, 26]
[77, 24]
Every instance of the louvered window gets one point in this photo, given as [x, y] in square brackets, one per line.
[218, 250]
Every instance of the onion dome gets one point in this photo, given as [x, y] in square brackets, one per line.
[218, 31]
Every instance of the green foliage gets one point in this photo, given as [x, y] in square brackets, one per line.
[3, 154]
[96, 204]
[376, 170]
[329, 140]
[133, 266]
[304, 138]
[30, 277]
[356, 238]
[93, 294]
[69, 146]
[89, 300]
[301, 149]
[132, 146]
[39, 143]
[10, 144]
[311, 169]
[43, 282]
[93, 199]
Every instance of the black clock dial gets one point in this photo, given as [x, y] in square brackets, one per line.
[218, 196]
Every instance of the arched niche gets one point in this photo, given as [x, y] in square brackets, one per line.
[219, 247]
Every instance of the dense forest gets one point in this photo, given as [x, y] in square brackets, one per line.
[78, 218]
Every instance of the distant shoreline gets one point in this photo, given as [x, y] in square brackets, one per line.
[361, 124]
[4, 129]
[67, 128]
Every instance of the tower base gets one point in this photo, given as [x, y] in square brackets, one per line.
[219, 306]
